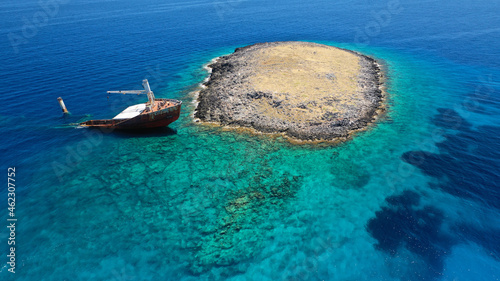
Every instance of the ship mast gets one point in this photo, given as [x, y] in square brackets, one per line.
[147, 91]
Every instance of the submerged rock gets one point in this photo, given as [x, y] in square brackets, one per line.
[306, 91]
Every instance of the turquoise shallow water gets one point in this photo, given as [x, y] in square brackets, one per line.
[198, 202]
[195, 202]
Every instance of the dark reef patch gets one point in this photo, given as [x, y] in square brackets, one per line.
[469, 159]
[403, 223]
[467, 166]
[450, 119]
[349, 174]
[231, 237]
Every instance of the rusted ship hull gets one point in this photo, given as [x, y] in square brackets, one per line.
[156, 118]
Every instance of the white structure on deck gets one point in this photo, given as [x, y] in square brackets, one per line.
[131, 111]
[147, 90]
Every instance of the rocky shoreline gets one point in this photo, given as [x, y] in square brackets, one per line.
[305, 91]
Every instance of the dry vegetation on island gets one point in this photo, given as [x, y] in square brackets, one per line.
[306, 91]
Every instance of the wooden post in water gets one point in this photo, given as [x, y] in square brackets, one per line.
[63, 106]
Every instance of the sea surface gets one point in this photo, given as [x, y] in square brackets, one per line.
[415, 197]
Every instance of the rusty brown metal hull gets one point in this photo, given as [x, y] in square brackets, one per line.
[155, 119]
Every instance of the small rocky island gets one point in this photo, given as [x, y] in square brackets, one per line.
[306, 91]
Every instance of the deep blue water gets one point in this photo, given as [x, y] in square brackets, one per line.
[416, 197]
